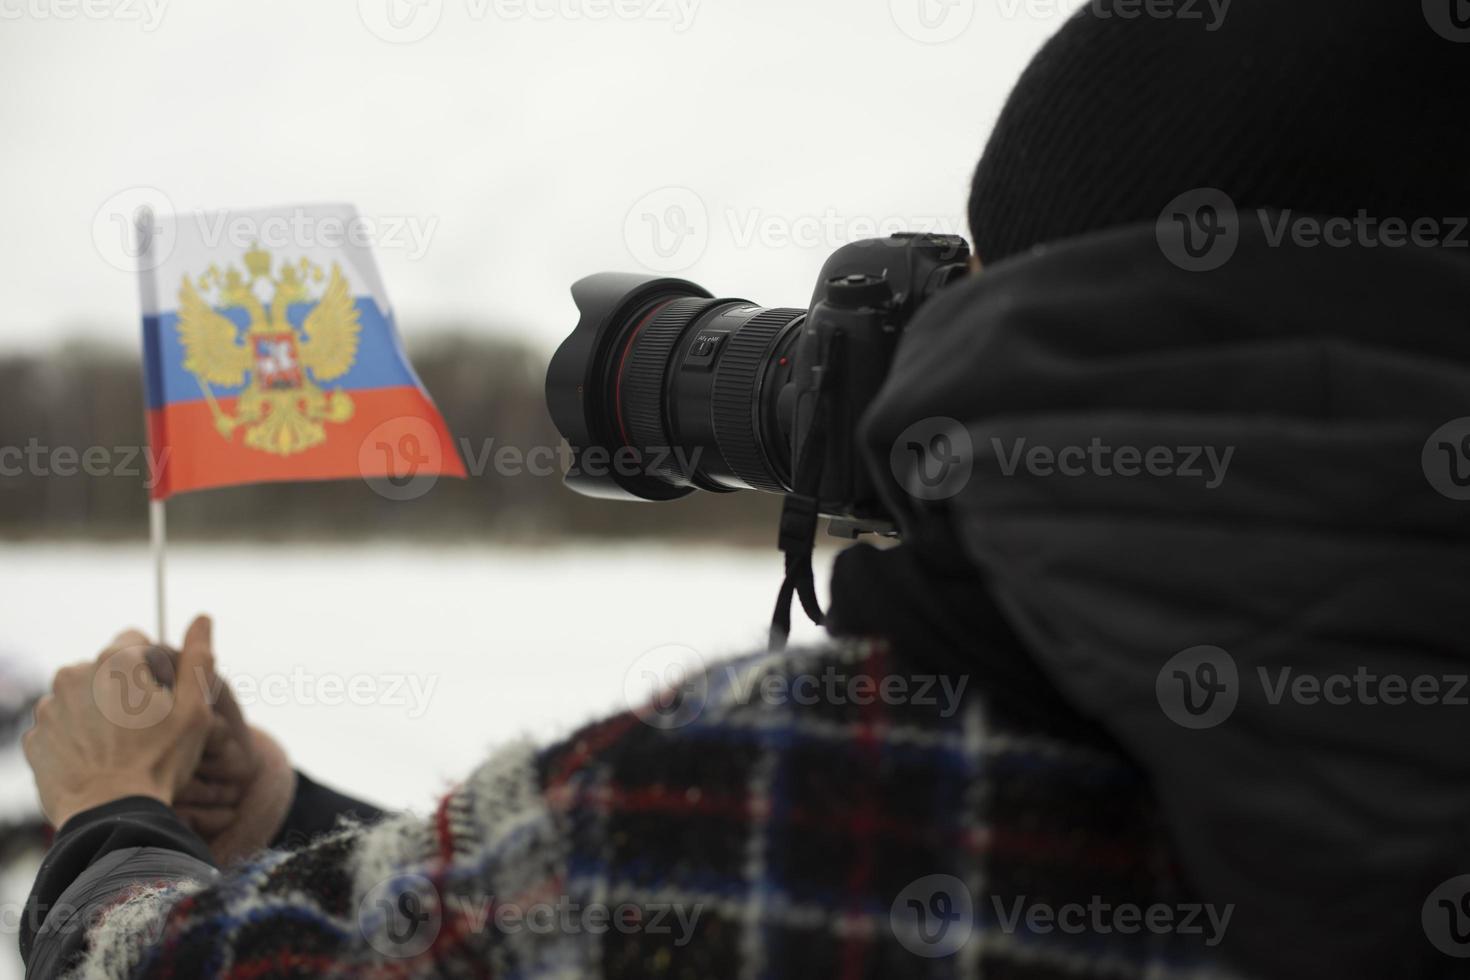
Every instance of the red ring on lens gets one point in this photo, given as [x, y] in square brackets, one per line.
[623, 361]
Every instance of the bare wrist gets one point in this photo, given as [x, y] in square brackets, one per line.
[109, 791]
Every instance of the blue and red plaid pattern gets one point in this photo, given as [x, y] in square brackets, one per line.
[835, 837]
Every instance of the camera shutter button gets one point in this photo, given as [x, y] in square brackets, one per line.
[857, 292]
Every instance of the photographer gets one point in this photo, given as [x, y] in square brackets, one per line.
[1114, 776]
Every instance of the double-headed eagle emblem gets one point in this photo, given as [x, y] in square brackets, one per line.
[283, 408]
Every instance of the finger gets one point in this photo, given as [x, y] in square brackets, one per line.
[206, 821]
[219, 739]
[229, 766]
[196, 669]
[204, 794]
[131, 637]
[42, 711]
[163, 665]
[228, 708]
[73, 677]
[224, 752]
[220, 695]
[127, 638]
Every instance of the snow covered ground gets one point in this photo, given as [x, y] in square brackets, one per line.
[386, 670]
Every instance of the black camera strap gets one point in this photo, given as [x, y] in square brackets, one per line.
[800, 513]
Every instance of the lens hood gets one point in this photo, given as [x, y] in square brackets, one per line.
[582, 378]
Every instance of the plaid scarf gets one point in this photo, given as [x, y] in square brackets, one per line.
[819, 813]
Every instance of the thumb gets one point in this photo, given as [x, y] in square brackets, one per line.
[194, 689]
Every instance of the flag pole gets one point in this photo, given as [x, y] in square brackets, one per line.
[144, 223]
[157, 534]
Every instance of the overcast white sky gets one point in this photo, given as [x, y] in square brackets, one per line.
[506, 147]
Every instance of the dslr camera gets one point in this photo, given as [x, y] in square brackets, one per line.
[663, 389]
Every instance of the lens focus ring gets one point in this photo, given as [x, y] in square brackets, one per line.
[642, 387]
[735, 407]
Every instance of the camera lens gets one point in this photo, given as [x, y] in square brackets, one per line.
[663, 389]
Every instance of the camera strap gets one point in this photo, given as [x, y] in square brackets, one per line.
[799, 515]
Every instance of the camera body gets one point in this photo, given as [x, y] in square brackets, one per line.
[866, 295]
[663, 389]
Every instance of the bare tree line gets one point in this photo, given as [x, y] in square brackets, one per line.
[490, 391]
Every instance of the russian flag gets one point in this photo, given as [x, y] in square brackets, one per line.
[270, 353]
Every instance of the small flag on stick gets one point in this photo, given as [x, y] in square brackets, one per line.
[270, 353]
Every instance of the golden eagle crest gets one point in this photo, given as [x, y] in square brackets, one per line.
[282, 408]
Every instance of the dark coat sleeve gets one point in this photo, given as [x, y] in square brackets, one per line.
[98, 855]
[102, 852]
[315, 809]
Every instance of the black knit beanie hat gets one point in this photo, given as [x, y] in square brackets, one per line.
[1330, 107]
